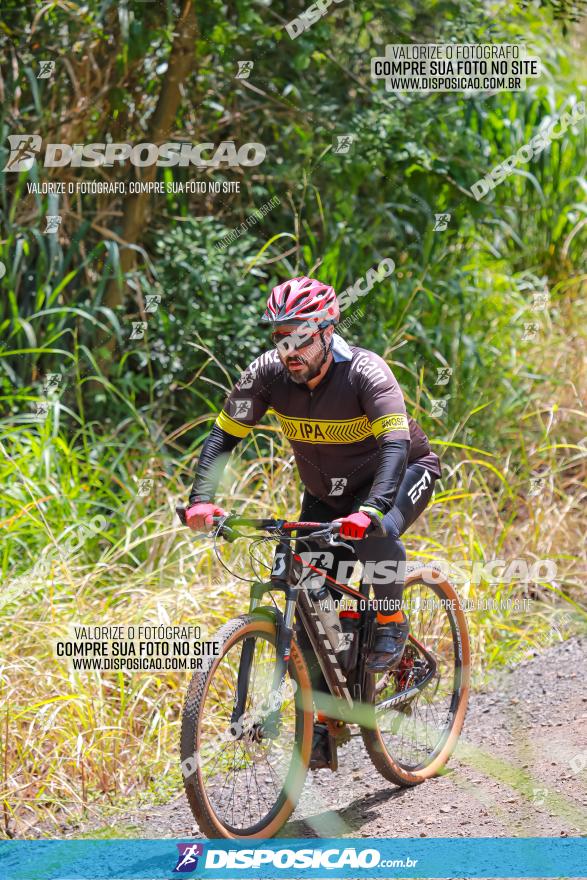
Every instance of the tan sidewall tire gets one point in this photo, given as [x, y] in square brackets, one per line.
[230, 633]
[373, 739]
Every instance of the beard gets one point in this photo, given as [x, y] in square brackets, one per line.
[309, 364]
[300, 376]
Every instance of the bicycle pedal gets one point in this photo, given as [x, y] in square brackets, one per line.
[339, 731]
[324, 751]
[343, 736]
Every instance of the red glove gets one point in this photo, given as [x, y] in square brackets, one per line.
[354, 526]
[199, 516]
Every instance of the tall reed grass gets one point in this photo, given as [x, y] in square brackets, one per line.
[71, 741]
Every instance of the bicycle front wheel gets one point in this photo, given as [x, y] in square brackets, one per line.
[244, 780]
[410, 741]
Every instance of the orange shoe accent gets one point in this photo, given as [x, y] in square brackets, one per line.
[398, 617]
[321, 718]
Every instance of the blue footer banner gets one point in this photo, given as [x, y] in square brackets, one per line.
[308, 858]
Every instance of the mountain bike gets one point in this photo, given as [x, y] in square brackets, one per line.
[247, 722]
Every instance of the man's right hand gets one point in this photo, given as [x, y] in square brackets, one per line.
[199, 516]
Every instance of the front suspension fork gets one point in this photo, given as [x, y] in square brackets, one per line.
[243, 681]
[285, 631]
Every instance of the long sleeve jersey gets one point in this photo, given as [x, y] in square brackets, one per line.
[350, 435]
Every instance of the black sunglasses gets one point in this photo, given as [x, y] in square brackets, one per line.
[293, 341]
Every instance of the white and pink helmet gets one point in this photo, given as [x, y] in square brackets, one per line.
[302, 301]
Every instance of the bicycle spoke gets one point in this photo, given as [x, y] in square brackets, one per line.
[245, 777]
[414, 732]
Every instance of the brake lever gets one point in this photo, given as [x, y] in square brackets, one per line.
[333, 539]
[229, 533]
[333, 543]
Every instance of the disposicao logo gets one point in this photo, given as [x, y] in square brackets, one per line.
[347, 858]
[187, 860]
[24, 149]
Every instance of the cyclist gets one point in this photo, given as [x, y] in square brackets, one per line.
[361, 459]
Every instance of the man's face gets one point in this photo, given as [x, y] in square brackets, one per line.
[300, 351]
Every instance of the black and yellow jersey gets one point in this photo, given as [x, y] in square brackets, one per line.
[336, 429]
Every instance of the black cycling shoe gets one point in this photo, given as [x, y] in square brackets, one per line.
[323, 749]
[390, 641]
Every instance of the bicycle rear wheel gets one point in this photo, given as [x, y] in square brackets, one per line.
[244, 780]
[412, 741]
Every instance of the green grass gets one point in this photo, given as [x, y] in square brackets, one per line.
[68, 741]
[73, 740]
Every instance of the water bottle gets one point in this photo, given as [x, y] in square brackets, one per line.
[350, 622]
[324, 605]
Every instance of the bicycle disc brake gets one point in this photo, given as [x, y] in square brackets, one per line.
[411, 671]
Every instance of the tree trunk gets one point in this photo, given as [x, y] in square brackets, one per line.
[136, 206]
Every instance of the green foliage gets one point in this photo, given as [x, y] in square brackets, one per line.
[208, 293]
[132, 409]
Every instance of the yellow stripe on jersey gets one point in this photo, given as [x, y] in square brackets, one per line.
[231, 426]
[391, 422]
[324, 431]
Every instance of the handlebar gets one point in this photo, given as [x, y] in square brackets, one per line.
[227, 526]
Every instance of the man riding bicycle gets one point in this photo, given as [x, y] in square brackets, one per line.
[361, 459]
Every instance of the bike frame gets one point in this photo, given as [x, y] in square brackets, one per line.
[287, 577]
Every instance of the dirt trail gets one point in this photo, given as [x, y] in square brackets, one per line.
[515, 773]
[520, 770]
